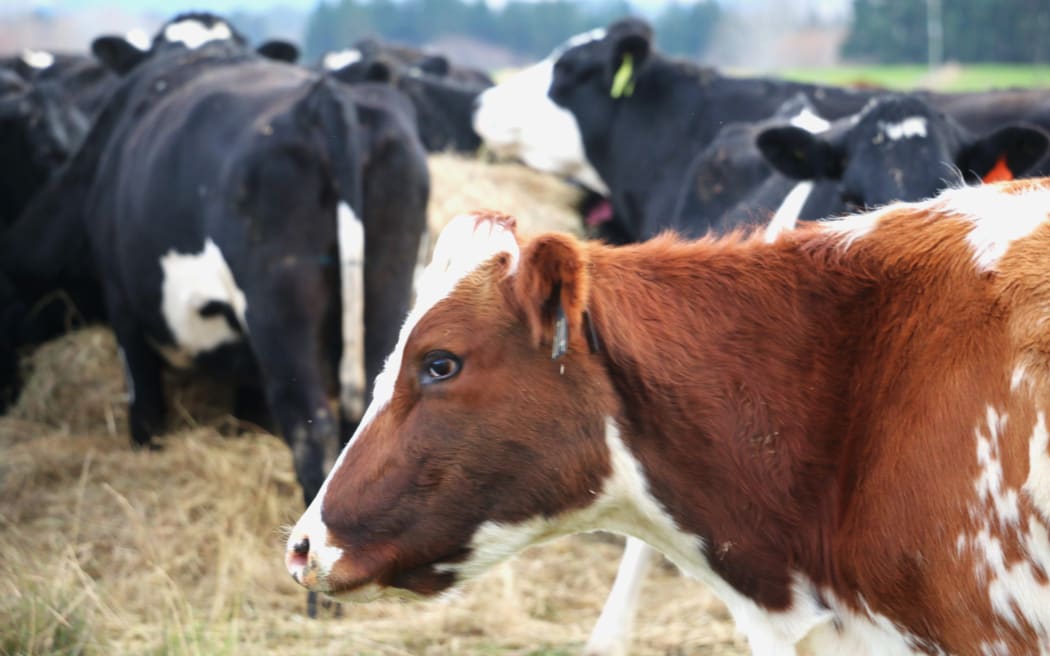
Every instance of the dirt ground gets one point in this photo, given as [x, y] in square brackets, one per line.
[110, 551]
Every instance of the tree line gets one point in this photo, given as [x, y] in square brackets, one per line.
[530, 29]
[895, 31]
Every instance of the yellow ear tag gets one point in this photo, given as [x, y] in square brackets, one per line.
[622, 84]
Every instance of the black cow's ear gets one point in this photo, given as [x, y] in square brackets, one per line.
[279, 50]
[434, 65]
[630, 41]
[117, 53]
[1004, 154]
[799, 154]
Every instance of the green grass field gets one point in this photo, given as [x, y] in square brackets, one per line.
[974, 77]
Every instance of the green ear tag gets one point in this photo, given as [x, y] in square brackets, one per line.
[622, 84]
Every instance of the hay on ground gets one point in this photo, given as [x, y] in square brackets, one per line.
[112, 551]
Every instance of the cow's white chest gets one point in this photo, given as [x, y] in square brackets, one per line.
[190, 282]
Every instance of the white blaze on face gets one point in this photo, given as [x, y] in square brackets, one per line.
[352, 283]
[913, 127]
[193, 34]
[38, 59]
[809, 122]
[190, 282]
[334, 61]
[516, 118]
[463, 246]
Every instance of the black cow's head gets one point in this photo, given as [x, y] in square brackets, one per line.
[598, 65]
[188, 31]
[900, 148]
[39, 130]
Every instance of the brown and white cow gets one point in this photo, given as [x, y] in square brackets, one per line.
[843, 431]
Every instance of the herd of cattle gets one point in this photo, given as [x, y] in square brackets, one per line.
[222, 207]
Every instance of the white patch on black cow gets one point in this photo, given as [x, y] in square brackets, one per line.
[790, 208]
[516, 118]
[910, 128]
[192, 281]
[139, 38]
[352, 279]
[193, 34]
[39, 59]
[334, 61]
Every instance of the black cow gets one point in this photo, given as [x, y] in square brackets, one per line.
[84, 81]
[643, 117]
[444, 102]
[370, 49]
[39, 129]
[898, 148]
[214, 205]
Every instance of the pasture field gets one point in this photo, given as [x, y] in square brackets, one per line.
[951, 77]
[107, 551]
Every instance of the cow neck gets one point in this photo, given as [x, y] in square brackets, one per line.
[726, 360]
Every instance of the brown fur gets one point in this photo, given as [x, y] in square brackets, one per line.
[806, 407]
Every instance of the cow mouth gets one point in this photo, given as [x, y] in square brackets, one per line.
[427, 579]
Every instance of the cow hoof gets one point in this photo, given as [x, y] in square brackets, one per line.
[147, 446]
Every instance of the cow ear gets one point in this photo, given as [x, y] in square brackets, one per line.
[552, 285]
[631, 43]
[279, 50]
[799, 154]
[117, 53]
[1004, 154]
[437, 65]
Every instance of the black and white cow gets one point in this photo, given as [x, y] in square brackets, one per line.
[898, 148]
[185, 32]
[222, 203]
[444, 102]
[643, 117]
[370, 49]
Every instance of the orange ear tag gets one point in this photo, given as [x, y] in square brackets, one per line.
[1000, 172]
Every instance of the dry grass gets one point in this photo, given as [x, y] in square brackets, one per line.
[110, 551]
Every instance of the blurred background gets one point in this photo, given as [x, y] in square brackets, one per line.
[959, 45]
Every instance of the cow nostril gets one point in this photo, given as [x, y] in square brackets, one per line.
[302, 547]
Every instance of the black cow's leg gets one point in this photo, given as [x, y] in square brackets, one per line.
[142, 369]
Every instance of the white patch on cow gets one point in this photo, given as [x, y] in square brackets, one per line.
[787, 214]
[517, 119]
[339, 59]
[193, 34]
[910, 128]
[989, 484]
[1015, 590]
[139, 38]
[191, 281]
[1019, 377]
[861, 632]
[352, 284]
[611, 635]
[39, 59]
[809, 122]
[422, 257]
[1037, 485]
[856, 226]
[625, 505]
[998, 218]
[465, 244]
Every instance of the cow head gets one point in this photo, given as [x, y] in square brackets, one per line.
[900, 148]
[39, 130]
[476, 444]
[188, 31]
[517, 119]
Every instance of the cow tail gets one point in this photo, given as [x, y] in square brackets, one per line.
[328, 110]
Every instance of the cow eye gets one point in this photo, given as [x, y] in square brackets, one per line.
[439, 366]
